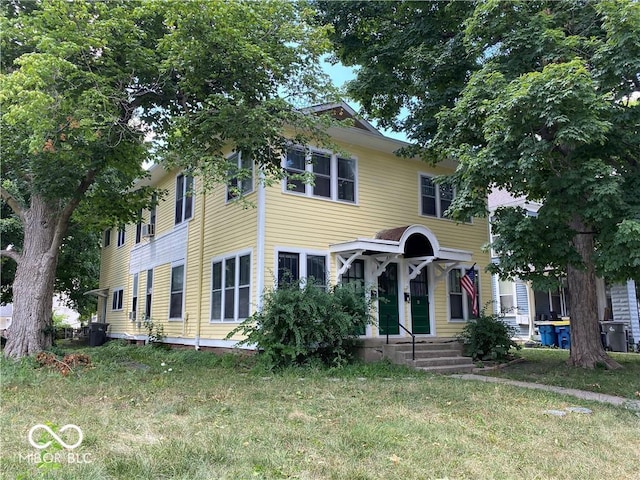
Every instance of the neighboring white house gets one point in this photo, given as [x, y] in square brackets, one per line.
[72, 318]
[523, 306]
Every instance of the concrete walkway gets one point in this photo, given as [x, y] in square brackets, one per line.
[596, 397]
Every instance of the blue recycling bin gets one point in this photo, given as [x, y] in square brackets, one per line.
[564, 336]
[548, 336]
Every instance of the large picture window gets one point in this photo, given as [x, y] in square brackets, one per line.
[334, 176]
[184, 198]
[231, 288]
[293, 266]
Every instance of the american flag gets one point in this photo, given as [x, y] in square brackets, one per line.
[468, 283]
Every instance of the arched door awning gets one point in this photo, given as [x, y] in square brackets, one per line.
[414, 242]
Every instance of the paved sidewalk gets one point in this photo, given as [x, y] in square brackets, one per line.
[596, 397]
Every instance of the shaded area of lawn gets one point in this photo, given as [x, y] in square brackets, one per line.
[149, 413]
[548, 366]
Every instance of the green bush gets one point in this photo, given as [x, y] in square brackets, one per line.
[306, 324]
[488, 338]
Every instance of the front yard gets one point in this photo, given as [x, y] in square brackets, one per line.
[152, 414]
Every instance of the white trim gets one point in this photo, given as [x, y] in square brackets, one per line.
[184, 221]
[179, 263]
[206, 342]
[239, 166]
[236, 287]
[302, 266]
[333, 174]
[113, 292]
[261, 240]
[465, 303]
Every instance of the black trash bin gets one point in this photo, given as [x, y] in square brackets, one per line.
[97, 334]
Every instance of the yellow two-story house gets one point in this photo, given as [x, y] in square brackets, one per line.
[199, 263]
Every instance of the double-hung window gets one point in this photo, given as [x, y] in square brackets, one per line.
[460, 303]
[184, 198]
[117, 299]
[506, 295]
[134, 298]
[177, 292]
[231, 288]
[293, 266]
[240, 175]
[434, 199]
[149, 295]
[107, 238]
[121, 235]
[334, 177]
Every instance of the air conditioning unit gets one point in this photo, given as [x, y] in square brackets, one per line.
[148, 230]
[132, 316]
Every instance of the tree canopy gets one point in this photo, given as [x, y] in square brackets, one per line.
[535, 97]
[92, 90]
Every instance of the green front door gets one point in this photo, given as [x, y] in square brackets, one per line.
[388, 317]
[420, 303]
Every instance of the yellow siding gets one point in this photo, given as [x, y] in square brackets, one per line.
[388, 197]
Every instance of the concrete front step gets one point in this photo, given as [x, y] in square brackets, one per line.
[438, 357]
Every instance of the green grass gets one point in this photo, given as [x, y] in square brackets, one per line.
[221, 417]
[549, 366]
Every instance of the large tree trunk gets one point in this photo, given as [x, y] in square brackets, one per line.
[586, 348]
[30, 330]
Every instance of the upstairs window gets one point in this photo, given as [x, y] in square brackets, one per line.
[139, 227]
[121, 236]
[107, 238]
[334, 176]
[184, 198]
[435, 199]
[241, 175]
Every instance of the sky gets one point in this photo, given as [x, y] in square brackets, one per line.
[339, 75]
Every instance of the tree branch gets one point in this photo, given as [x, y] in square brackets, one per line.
[63, 220]
[13, 203]
[12, 254]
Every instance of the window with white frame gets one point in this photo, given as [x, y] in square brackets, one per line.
[231, 288]
[435, 199]
[334, 176]
[184, 198]
[293, 266]
[149, 295]
[139, 227]
[121, 236]
[240, 174]
[460, 303]
[134, 297]
[107, 238]
[507, 296]
[177, 292]
[117, 299]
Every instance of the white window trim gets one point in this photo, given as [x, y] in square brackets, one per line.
[302, 267]
[439, 212]
[121, 236]
[175, 198]
[184, 289]
[308, 189]
[135, 293]
[236, 287]
[465, 300]
[113, 292]
[239, 165]
[514, 297]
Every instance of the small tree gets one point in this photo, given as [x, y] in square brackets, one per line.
[304, 323]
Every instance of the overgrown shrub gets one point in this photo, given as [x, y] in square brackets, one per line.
[304, 323]
[488, 338]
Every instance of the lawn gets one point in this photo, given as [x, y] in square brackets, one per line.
[152, 414]
[548, 366]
